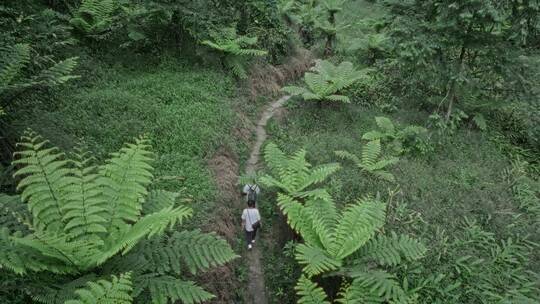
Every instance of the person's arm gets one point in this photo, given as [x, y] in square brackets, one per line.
[244, 219]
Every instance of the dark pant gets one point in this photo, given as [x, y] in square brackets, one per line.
[250, 235]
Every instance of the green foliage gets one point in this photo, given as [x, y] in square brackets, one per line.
[116, 291]
[94, 17]
[371, 161]
[15, 58]
[82, 217]
[326, 81]
[234, 50]
[333, 238]
[309, 292]
[408, 139]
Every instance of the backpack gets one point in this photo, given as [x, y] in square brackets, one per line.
[252, 193]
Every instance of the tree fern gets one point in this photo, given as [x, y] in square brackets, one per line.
[390, 250]
[338, 242]
[399, 139]
[235, 50]
[326, 80]
[309, 292]
[293, 174]
[166, 288]
[16, 58]
[94, 17]
[82, 217]
[371, 161]
[116, 291]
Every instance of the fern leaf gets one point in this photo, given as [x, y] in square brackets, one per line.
[84, 208]
[373, 135]
[391, 250]
[318, 175]
[315, 260]
[199, 250]
[147, 226]
[236, 65]
[298, 219]
[309, 292]
[124, 180]
[385, 124]
[370, 153]
[339, 98]
[348, 156]
[12, 60]
[157, 200]
[21, 259]
[116, 291]
[59, 73]
[292, 90]
[358, 224]
[377, 284]
[324, 217]
[44, 177]
[167, 289]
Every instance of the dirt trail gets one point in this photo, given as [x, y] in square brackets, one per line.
[256, 288]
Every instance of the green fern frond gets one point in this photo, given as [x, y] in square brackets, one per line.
[315, 260]
[237, 66]
[58, 74]
[376, 284]
[357, 225]
[200, 251]
[373, 135]
[124, 180]
[21, 259]
[158, 200]
[348, 156]
[299, 219]
[309, 292]
[324, 216]
[167, 289]
[385, 124]
[370, 153]
[146, 227]
[94, 17]
[340, 98]
[84, 207]
[12, 60]
[293, 90]
[58, 292]
[44, 177]
[391, 250]
[116, 291]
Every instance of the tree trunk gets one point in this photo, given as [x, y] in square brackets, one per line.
[452, 88]
[330, 37]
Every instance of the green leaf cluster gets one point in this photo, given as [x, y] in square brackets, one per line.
[235, 50]
[326, 81]
[84, 221]
[337, 242]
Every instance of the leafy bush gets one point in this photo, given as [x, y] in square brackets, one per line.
[85, 221]
[234, 50]
[337, 242]
[326, 81]
[405, 140]
[94, 17]
[372, 161]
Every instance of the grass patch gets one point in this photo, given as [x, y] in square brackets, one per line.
[186, 112]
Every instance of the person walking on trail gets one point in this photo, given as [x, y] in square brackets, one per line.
[251, 192]
[251, 221]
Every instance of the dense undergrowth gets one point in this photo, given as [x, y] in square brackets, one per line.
[430, 105]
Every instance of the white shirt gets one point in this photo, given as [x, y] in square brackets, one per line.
[250, 215]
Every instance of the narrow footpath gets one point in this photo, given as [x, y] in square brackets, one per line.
[256, 293]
